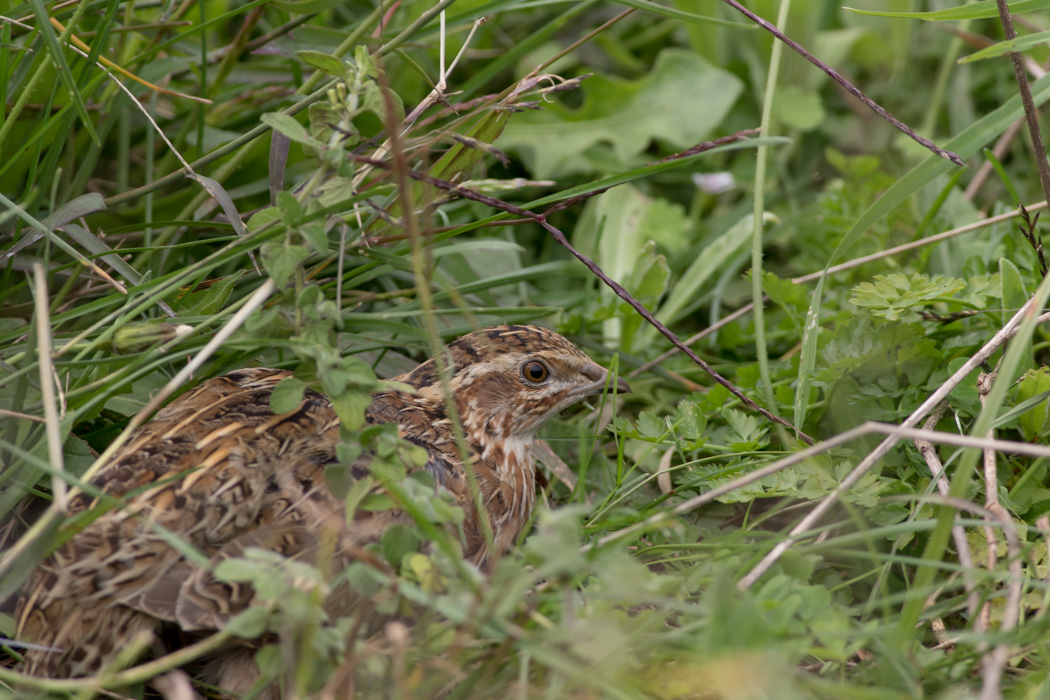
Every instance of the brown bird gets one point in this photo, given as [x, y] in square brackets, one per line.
[220, 471]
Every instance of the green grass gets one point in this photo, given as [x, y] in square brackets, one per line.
[634, 583]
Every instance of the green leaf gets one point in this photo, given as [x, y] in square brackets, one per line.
[784, 293]
[250, 623]
[289, 127]
[893, 294]
[648, 282]
[290, 208]
[324, 62]
[315, 235]
[680, 102]
[211, 300]
[986, 9]
[356, 494]
[674, 13]
[799, 107]
[1003, 47]
[397, 542]
[263, 218]
[1033, 383]
[965, 144]
[58, 57]
[350, 407]
[287, 395]
[1012, 290]
[712, 262]
[281, 260]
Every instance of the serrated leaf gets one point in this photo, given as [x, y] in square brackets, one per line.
[892, 295]
[651, 426]
[784, 293]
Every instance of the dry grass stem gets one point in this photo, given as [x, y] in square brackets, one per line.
[52, 417]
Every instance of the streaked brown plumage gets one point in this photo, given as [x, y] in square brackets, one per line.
[221, 471]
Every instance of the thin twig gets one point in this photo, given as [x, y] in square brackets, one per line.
[991, 501]
[558, 236]
[1030, 113]
[962, 546]
[852, 89]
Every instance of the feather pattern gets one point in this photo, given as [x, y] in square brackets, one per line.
[219, 472]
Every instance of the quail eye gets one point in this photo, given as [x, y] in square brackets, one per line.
[535, 371]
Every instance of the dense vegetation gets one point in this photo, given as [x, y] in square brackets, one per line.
[343, 200]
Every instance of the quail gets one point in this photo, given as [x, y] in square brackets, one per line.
[220, 471]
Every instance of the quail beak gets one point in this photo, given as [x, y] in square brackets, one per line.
[600, 375]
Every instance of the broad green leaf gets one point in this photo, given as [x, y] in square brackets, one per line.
[249, 623]
[315, 235]
[397, 542]
[282, 259]
[324, 62]
[350, 407]
[290, 128]
[1034, 382]
[799, 107]
[609, 233]
[290, 208]
[1012, 290]
[680, 102]
[647, 283]
[287, 395]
